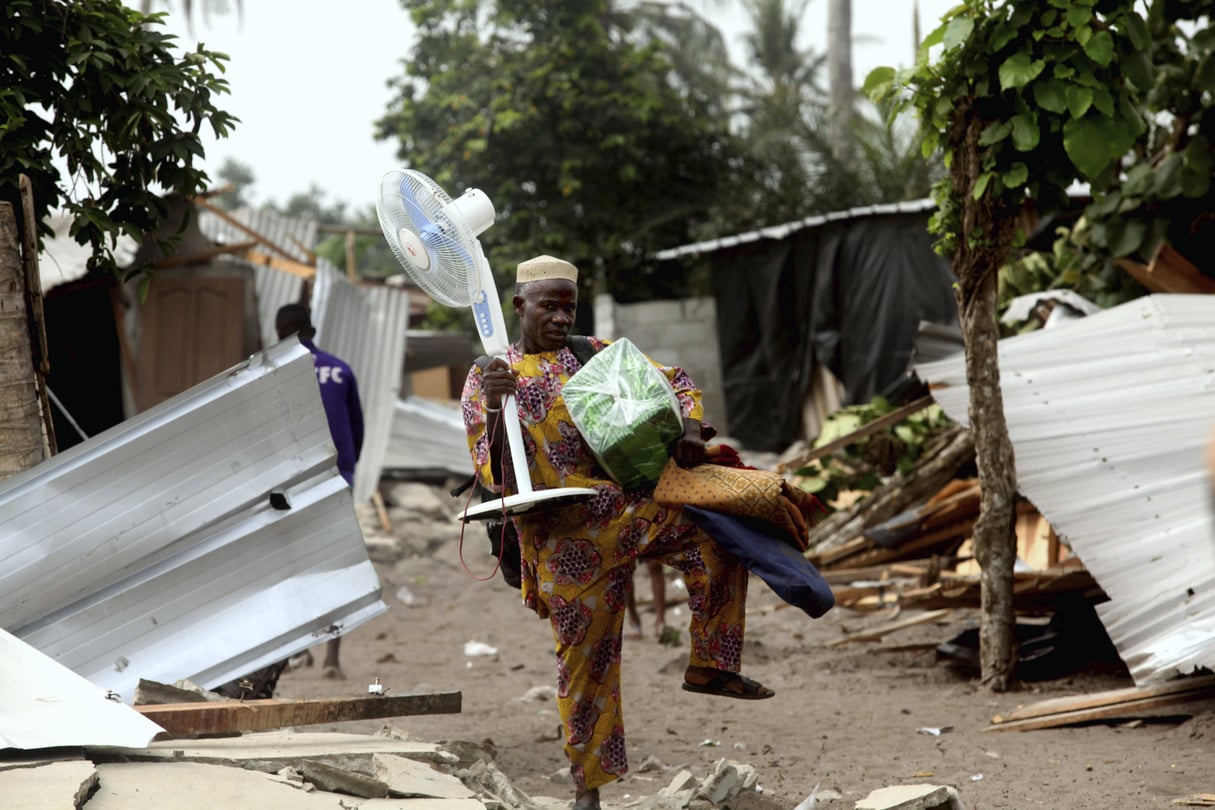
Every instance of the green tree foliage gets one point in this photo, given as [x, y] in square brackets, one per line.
[92, 88]
[1052, 88]
[588, 142]
[1163, 191]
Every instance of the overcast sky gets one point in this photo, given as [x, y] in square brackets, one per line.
[308, 80]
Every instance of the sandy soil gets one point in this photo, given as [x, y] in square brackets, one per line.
[848, 717]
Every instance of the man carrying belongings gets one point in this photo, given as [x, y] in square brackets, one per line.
[578, 560]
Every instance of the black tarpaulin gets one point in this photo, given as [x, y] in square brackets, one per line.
[848, 294]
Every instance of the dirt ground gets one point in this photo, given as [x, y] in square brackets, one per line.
[849, 718]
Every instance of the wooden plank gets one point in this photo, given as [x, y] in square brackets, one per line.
[193, 719]
[875, 633]
[1124, 709]
[872, 573]
[255, 256]
[1181, 273]
[911, 549]
[1168, 272]
[240, 226]
[1107, 698]
[202, 256]
[381, 511]
[894, 417]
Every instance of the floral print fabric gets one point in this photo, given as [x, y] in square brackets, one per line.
[578, 561]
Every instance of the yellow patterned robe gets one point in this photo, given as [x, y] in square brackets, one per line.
[578, 561]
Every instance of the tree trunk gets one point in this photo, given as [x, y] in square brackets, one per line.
[983, 246]
[842, 90]
[21, 445]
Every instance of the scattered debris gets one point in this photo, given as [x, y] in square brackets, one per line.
[537, 694]
[934, 731]
[912, 797]
[476, 648]
[1115, 703]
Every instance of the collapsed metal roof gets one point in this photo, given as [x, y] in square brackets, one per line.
[295, 237]
[427, 437]
[786, 228]
[1108, 416]
[203, 539]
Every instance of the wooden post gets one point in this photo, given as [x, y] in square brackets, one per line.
[21, 445]
[37, 315]
[352, 272]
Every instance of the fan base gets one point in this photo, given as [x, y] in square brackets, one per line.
[526, 502]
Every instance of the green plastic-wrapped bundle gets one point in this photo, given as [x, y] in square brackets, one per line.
[626, 410]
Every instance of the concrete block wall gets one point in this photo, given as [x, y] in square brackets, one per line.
[682, 333]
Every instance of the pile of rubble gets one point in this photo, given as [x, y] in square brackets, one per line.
[291, 770]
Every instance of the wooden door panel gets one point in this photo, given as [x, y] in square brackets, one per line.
[193, 328]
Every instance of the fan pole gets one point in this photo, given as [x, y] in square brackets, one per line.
[518, 451]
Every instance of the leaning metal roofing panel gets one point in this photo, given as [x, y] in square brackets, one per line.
[427, 436]
[295, 236]
[274, 288]
[43, 704]
[1108, 417]
[155, 550]
[365, 326]
[786, 228]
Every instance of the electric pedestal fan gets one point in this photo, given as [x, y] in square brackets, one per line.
[435, 239]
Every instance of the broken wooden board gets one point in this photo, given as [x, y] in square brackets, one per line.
[193, 719]
[1197, 800]
[1104, 705]
[1169, 272]
[876, 633]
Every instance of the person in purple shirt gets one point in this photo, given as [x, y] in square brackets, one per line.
[340, 397]
[339, 390]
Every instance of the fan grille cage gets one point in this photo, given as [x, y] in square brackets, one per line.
[413, 202]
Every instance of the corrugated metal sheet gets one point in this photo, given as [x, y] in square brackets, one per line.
[153, 550]
[784, 229]
[295, 236]
[427, 436]
[45, 705]
[365, 326]
[1108, 417]
[274, 288]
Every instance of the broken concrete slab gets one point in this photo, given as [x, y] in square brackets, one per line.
[728, 781]
[199, 786]
[342, 780]
[912, 797]
[492, 786]
[48, 785]
[409, 778]
[268, 752]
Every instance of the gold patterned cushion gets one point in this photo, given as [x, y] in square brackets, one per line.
[740, 492]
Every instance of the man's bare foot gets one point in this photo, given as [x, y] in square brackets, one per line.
[633, 630]
[333, 672]
[587, 800]
[660, 627]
